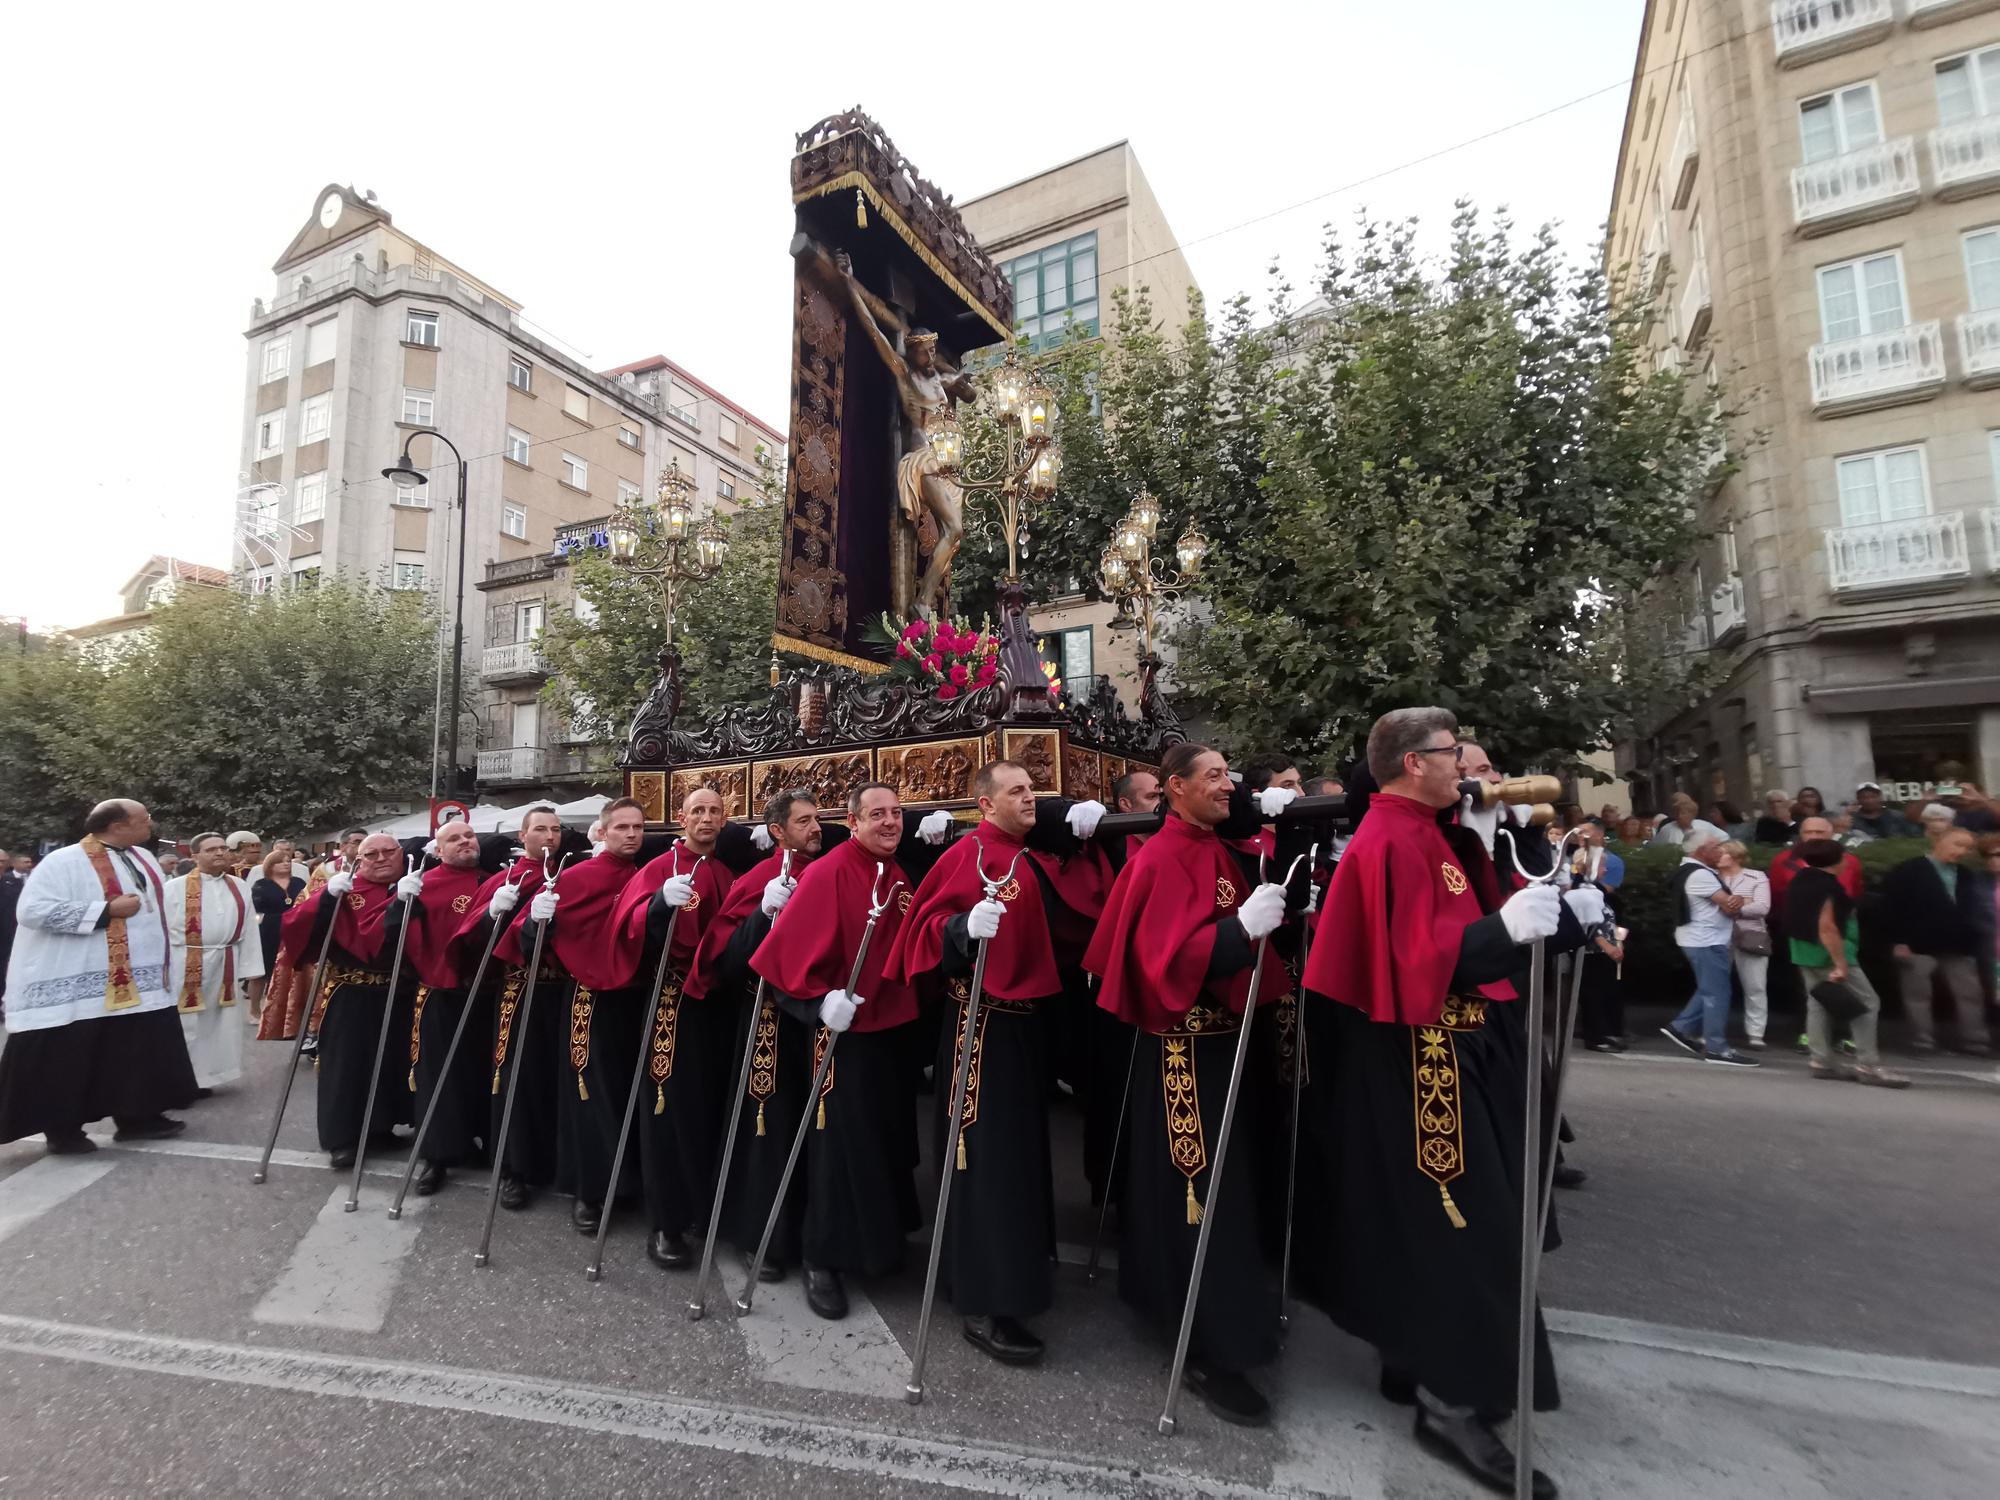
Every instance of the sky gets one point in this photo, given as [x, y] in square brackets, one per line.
[621, 171]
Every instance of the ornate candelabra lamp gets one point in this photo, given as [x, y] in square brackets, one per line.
[664, 542]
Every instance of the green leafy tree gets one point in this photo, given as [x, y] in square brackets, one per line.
[51, 741]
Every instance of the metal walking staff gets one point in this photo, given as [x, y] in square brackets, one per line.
[1215, 1179]
[699, 1305]
[913, 1392]
[499, 1148]
[878, 902]
[1111, 1171]
[1588, 865]
[1298, 1082]
[263, 1171]
[639, 1069]
[381, 1045]
[450, 1052]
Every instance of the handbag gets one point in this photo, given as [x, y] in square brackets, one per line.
[1754, 941]
[1839, 1000]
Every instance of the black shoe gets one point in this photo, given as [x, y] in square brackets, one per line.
[1729, 1057]
[429, 1178]
[204, 1093]
[585, 1217]
[1570, 1177]
[1398, 1386]
[70, 1143]
[773, 1269]
[513, 1194]
[669, 1251]
[824, 1293]
[1474, 1447]
[1692, 1048]
[148, 1128]
[1227, 1393]
[1003, 1338]
[340, 1160]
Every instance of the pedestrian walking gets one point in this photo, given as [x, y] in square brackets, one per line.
[1825, 948]
[1704, 934]
[1750, 938]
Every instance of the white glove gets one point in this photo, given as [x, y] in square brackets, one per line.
[1521, 812]
[934, 827]
[597, 849]
[1586, 904]
[1274, 800]
[504, 900]
[760, 838]
[983, 921]
[431, 848]
[1481, 820]
[1312, 897]
[678, 891]
[1082, 818]
[339, 883]
[544, 906]
[836, 1011]
[1262, 910]
[777, 891]
[1532, 913]
[410, 886]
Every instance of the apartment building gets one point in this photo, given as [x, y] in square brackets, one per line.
[159, 580]
[1809, 191]
[1067, 237]
[371, 339]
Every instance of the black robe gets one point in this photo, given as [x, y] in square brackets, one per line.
[347, 1016]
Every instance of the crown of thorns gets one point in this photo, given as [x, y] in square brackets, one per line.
[921, 336]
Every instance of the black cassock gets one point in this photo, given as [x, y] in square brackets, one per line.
[598, 1037]
[774, 1095]
[537, 1049]
[347, 1016]
[459, 1124]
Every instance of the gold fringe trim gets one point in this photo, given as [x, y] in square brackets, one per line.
[659, 1099]
[760, 1117]
[1450, 1208]
[961, 1149]
[821, 1125]
[860, 210]
[1194, 1208]
[827, 654]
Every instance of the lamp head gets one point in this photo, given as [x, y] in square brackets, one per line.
[404, 472]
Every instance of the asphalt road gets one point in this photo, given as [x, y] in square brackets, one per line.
[1770, 1287]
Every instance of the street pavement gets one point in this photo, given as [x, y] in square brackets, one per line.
[1770, 1286]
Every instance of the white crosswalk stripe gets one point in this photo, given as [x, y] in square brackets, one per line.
[344, 1272]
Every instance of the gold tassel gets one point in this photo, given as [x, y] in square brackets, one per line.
[413, 1080]
[961, 1151]
[659, 1099]
[496, 1080]
[760, 1117]
[860, 210]
[1194, 1208]
[581, 1091]
[822, 1114]
[1450, 1208]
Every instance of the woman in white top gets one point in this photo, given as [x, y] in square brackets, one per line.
[1750, 945]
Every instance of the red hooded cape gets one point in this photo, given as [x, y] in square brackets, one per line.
[811, 946]
[357, 927]
[446, 899]
[584, 938]
[1388, 937]
[711, 890]
[1153, 947]
[1021, 961]
[746, 894]
[463, 950]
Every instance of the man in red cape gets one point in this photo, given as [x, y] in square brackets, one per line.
[684, 1055]
[347, 1013]
[529, 1159]
[860, 1197]
[443, 902]
[1174, 952]
[1417, 1119]
[781, 1060]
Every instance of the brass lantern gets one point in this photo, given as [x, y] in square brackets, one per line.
[1117, 570]
[1145, 514]
[947, 440]
[711, 545]
[1190, 550]
[1129, 540]
[1038, 410]
[623, 536]
[1042, 477]
[676, 504]
[1009, 383]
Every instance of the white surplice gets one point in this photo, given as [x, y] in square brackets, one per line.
[60, 970]
[228, 945]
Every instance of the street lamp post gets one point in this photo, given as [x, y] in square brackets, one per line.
[1133, 578]
[664, 542]
[403, 471]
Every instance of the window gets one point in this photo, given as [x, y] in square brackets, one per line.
[514, 519]
[628, 492]
[576, 402]
[1860, 297]
[408, 571]
[725, 429]
[527, 724]
[413, 496]
[421, 328]
[517, 445]
[1982, 269]
[310, 502]
[319, 341]
[315, 418]
[277, 357]
[1055, 285]
[520, 374]
[684, 406]
[270, 434]
[528, 620]
[761, 452]
[260, 581]
[1069, 652]
[682, 459]
[1888, 485]
[629, 436]
[576, 472]
[725, 485]
[1842, 121]
[418, 406]
[305, 571]
[260, 513]
[1968, 86]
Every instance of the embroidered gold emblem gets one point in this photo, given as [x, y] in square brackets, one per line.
[820, 1043]
[1461, 1014]
[580, 1007]
[903, 901]
[764, 1060]
[510, 1001]
[1186, 1145]
[970, 1113]
[1011, 891]
[1454, 878]
[461, 904]
[666, 1032]
[1440, 1136]
[1225, 893]
[416, 1032]
[354, 900]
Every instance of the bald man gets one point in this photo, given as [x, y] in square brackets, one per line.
[93, 1026]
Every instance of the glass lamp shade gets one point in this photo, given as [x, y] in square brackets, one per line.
[711, 546]
[624, 539]
[1145, 514]
[1009, 384]
[676, 517]
[947, 440]
[1117, 571]
[1038, 410]
[1190, 550]
[1128, 540]
[1042, 477]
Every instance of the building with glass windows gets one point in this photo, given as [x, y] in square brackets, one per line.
[1808, 192]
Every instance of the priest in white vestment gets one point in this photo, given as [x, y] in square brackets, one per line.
[212, 928]
[91, 1025]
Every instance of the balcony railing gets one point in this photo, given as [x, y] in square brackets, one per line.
[1686, 160]
[1918, 552]
[523, 763]
[1856, 186]
[1695, 308]
[1979, 347]
[1878, 369]
[1725, 608]
[1802, 30]
[512, 662]
[1965, 158]
[1937, 12]
[1659, 258]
